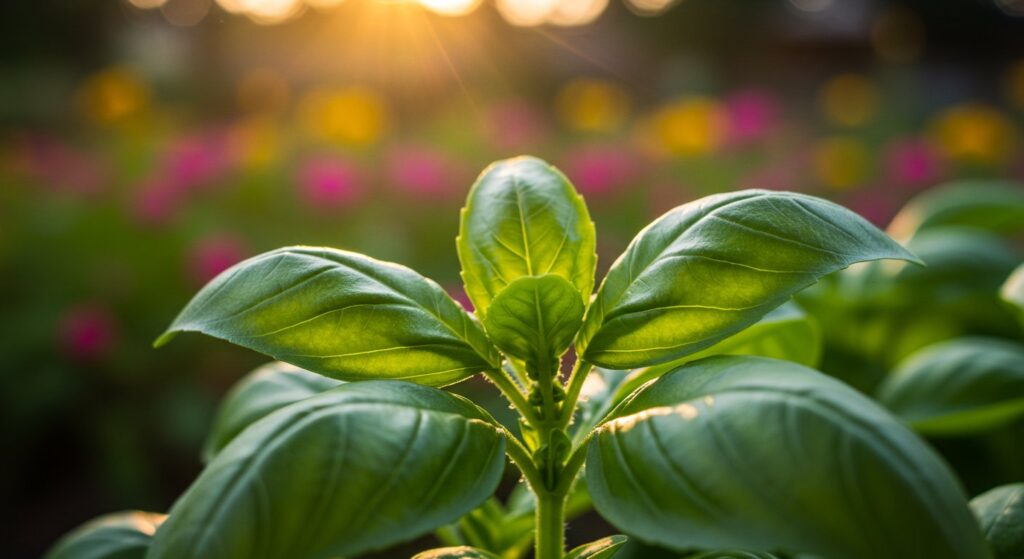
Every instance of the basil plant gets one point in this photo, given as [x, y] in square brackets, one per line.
[351, 445]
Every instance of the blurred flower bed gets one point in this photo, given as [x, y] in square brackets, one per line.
[111, 220]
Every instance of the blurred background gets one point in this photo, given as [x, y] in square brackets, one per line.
[146, 145]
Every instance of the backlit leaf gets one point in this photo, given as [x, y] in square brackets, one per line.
[343, 315]
[122, 535]
[710, 268]
[524, 218]
[535, 315]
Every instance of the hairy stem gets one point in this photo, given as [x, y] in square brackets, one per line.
[572, 391]
[550, 524]
[512, 393]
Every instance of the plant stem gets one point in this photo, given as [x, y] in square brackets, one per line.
[550, 524]
[512, 393]
[572, 392]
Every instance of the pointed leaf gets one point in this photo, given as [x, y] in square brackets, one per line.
[962, 386]
[357, 468]
[533, 315]
[710, 268]
[603, 548]
[261, 392]
[524, 218]
[754, 453]
[122, 535]
[461, 552]
[343, 315]
[996, 206]
[1001, 513]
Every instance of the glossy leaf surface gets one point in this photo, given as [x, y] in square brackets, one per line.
[461, 552]
[123, 535]
[535, 315]
[1001, 513]
[958, 387]
[261, 392]
[603, 548]
[343, 315]
[996, 206]
[753, 453]
[357, 468]
[710, 268]
[524, 218]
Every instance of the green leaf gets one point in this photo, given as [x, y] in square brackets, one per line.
[343, 315]
[598, 549]
[959, 387]
[710, 268]
[786, 333]
[875, 315]
[1001, 513]
[524, 218]
[122, 535]
[755, 453]
[535, 318]
[461, 552]
[1012, 293]
[265, 390]
[996, 206]
[357, 468]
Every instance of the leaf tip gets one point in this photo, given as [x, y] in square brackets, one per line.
[164, 339]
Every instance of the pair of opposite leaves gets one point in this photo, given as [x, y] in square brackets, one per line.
[696, 276]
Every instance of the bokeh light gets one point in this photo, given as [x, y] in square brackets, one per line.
[975, 133]
[451, 7]
[355, 116]
[593, 105]
[525, 12]
[849, 100]
[690, 126]
[113, 95]
[650, 7]
[841, 163]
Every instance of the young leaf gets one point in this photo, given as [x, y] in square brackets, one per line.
[755, 453]
[710, 268]
[461, 552]
[534, 315]
[122, 535]
[357, 468]
[1001, 514]
[343, 315]
[786, 332]
[1012, 292]
[261, 392]
[524, 218]
[996, 206]
[603, 548]
[963, 386]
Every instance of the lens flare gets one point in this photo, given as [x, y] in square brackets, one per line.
[450, 7]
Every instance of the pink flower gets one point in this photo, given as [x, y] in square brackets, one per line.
[515, 125]
[197, 161]
[753, 115]
[156, 201]
[424, 172]
[87, 332]
[597, 170]
[459, 294]
[327, 183]
[913, 162]
[874, 205]
[212, 255]
[60, 166]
